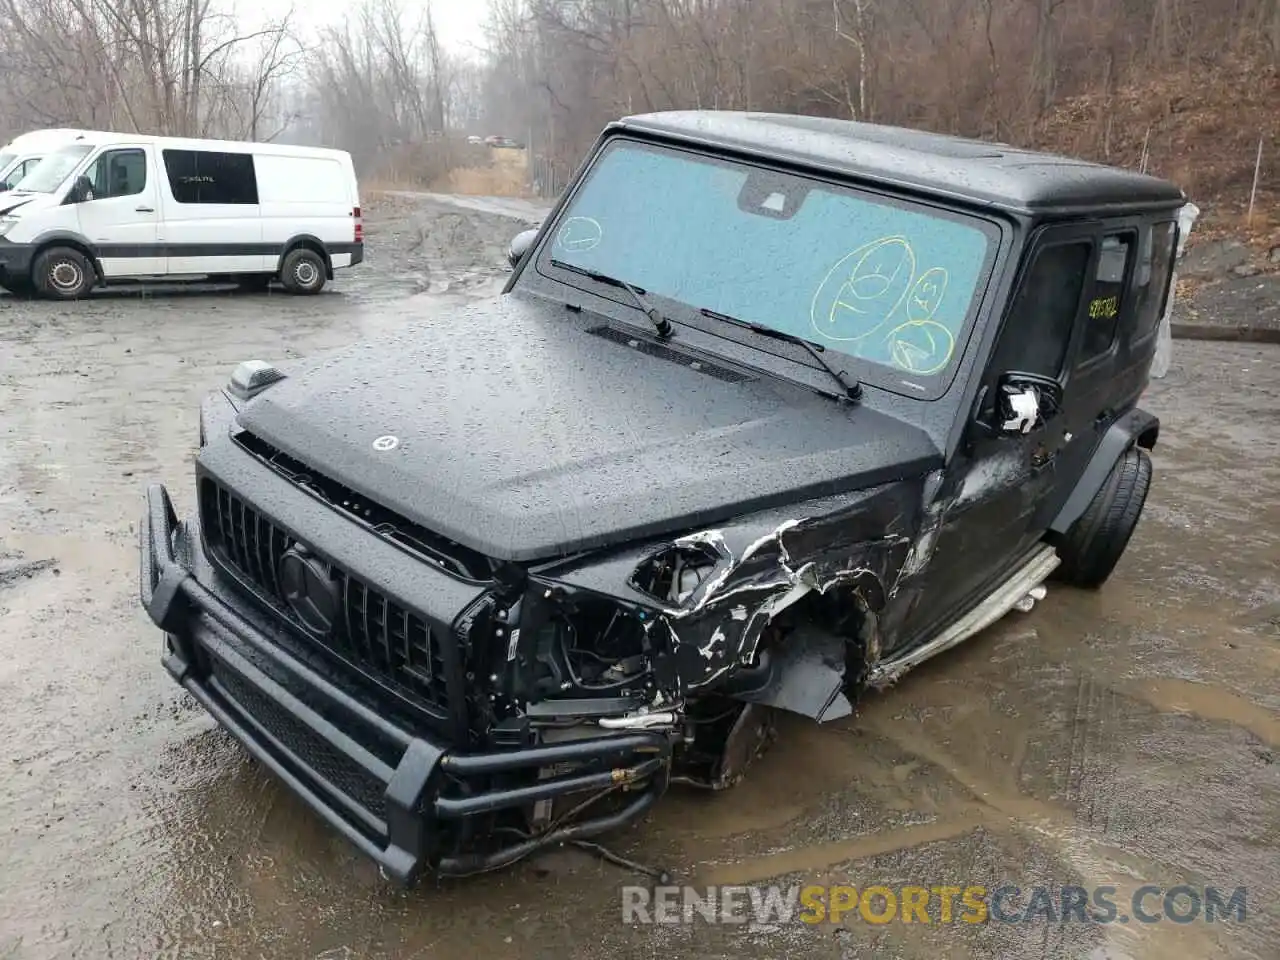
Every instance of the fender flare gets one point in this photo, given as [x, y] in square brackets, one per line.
[70, 237]
[305, 239]
[1135, 428]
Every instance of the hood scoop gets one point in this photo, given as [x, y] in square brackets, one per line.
[660, 352]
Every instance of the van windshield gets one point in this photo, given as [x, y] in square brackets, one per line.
[50, 173]
[5, 160]
[885, 281]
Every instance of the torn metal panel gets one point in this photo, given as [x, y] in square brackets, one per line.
[809, 676]
[718, 625]
[704, 601]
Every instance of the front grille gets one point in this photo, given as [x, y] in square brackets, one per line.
[374, 633]
[343, 773]
[423, 543]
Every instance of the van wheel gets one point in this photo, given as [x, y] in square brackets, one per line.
[303, 271]
[1094, 544]
[63, 274]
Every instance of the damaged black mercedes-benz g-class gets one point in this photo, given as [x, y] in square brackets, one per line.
[771, 410]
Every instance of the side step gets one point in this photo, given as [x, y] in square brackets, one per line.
[1009, 595]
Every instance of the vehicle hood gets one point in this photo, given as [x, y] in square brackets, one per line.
[18, 204]
[524, 435]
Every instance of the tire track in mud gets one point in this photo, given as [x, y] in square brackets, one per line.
[1090, 785]
[1086, 855]
[1088, 843]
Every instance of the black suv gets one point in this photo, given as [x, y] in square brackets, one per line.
[771, 410]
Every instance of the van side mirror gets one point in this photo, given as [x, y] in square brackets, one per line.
[520, 246]
[80, 191]
[1023, 403]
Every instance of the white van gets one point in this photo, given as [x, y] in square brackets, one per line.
[19, 156]
[128, 207]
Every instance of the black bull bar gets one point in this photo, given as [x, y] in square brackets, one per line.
[415, 805]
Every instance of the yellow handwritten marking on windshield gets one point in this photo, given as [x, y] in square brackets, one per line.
[920, 346]
[926, 296]
[1104, 308]
[878, 278]
[580, 233]
[875, 282]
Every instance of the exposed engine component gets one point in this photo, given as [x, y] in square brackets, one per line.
[673, 575]
[725, 738]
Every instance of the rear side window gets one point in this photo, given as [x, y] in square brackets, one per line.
[205, 177]
[1040, 322]
[1155, 268]
[1107, 302]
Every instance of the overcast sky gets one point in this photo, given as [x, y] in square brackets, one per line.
[460, 23]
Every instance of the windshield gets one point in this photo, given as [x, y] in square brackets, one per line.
[50, 172]
[5, 160]
[885, 281]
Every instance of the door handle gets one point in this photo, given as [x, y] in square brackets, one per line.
[144, 209]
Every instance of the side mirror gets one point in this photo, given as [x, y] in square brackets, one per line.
[80, 191]
[1023, 403]
[520, 246]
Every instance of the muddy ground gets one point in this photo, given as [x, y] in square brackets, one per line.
[1121, 738]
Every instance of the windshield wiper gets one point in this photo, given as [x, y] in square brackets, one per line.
[661, 323]
[852, 388]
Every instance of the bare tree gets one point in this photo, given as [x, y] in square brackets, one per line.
[159, 66]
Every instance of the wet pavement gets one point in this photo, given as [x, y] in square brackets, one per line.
[1122, 737]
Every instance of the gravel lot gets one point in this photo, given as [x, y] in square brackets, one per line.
[1121, 738]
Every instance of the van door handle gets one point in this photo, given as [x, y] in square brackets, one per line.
[144, 209]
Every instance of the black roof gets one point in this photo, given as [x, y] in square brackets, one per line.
[976, 171]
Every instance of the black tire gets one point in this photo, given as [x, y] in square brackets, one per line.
[1094, 544]
[303, 271]
[63, 273]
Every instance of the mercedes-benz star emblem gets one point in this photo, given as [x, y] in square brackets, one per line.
[386, 443]
[309, 589]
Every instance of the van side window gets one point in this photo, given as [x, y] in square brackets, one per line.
[119, 173]
[1038, 328]
[1107, 301]
[203, 176]
[1155, 268]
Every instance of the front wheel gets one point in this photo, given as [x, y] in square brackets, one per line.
[303, 271]
[62, 273]
[1094, 544]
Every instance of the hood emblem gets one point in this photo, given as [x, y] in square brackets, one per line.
[386, 443]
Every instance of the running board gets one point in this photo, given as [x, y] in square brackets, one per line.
[1034, 572]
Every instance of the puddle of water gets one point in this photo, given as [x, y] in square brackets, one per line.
[1208, 702]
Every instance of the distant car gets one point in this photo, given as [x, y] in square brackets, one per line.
[805, 403]
[475, 141]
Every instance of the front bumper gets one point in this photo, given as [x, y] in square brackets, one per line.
[15, 260]
[408, 802]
